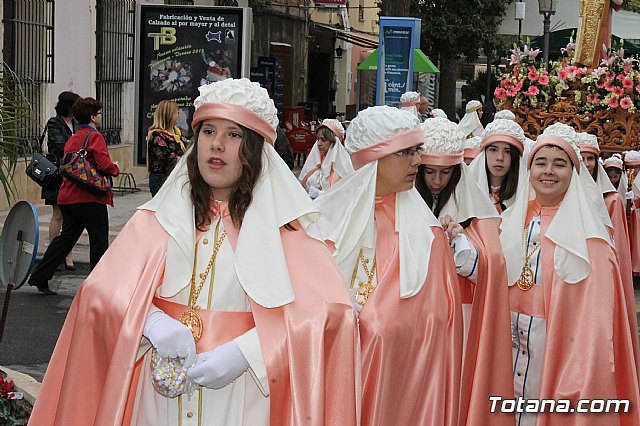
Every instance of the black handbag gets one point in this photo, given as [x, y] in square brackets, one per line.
[42, 170]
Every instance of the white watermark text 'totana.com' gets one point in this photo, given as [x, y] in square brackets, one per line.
[521, 405]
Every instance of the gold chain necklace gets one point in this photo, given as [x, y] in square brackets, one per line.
[525, 282]
[191, 318]
[365, 289]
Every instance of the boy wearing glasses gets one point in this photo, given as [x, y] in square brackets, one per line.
[397, 264]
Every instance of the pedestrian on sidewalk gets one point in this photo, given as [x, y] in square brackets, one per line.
[80, 208]
[218, 263]
[59, 130]
[165, 144]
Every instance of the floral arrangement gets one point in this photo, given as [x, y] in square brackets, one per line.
[527, 82]
[613, 84]
[14, 411]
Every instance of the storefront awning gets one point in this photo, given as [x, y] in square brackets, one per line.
[358, 38]
[421, 62]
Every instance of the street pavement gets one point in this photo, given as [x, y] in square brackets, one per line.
[34, 321]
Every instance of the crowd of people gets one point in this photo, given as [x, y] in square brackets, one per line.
[414, 273]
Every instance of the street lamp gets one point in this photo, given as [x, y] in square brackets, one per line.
[546, 9]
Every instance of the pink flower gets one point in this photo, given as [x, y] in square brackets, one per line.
[571, 69]
[543, 80]
[593, 98]
[638, 88]
[608, 86]
[533, 53]
[620, 77]
[627, 83]
[533, 75]
[618, 91]
[625, 102]
[512, 92]
[500, 93]
[518, 87]
[533, 91]
[508, 83]
[562, 75]
[613, 102]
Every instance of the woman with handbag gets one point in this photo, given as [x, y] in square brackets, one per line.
[59, 130]
[81, 209]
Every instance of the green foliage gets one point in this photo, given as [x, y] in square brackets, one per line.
[477, 87]
[460, 28]
[13, 412]
[632, 5]
[15, 118]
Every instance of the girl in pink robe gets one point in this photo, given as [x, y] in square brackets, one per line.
[277, 296]
[571, 338]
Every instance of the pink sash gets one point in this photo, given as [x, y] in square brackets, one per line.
[219, 326]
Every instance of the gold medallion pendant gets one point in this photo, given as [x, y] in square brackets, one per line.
[192, 319]
[526, 278]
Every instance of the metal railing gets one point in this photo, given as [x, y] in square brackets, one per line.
[115, 22]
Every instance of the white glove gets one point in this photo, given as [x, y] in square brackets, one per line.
[628, 195]
[171, 338]
[314, 192]
[461, 249]
[220, 367]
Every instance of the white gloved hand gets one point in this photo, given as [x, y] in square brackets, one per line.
[628, 195]
[314, 192]
[220, 367]
[171, 338]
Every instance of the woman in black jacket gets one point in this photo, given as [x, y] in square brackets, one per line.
[59, 130]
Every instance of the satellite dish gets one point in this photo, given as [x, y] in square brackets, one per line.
[18, 249]
[18, 245]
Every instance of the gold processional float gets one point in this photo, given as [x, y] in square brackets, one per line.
[591, 87]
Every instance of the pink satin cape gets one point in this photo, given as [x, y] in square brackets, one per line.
[634, 238]
[309, 345]
[616, 210]
[411, 348]
[588, 352]
[487, 366]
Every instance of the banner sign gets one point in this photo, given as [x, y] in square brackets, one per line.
[181, 48]
[398, 38]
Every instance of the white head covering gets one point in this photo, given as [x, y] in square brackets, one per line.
[470, 123]
[593, 193]
[588, 143]
[437, 112]
[443, 146]
[616, 161]
[409, 102]
[278, 199]
[632, 158]
[575, 221]
[512, 133]
[337, 157]
[347, 209]
[504, 114]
